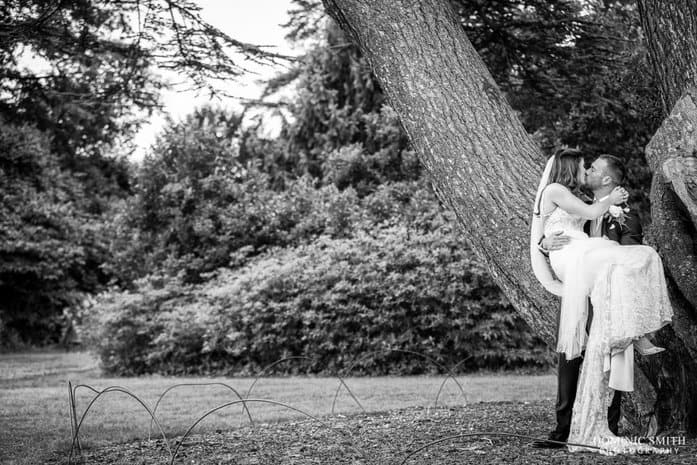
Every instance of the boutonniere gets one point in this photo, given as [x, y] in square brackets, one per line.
[617, 213]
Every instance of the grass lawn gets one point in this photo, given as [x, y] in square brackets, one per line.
[34, 424]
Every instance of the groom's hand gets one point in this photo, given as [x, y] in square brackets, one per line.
[555, 242]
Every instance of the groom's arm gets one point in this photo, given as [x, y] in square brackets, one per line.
[554, 242]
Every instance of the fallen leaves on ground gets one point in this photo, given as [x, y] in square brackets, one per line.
[381, 438]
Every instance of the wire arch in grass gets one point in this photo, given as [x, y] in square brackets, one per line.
[271, 365]
[73, 414]
[154, 411]
[106, 391]
[301, 357]
[369, 354]
[445, 380]
[73, 409]
[244, 401]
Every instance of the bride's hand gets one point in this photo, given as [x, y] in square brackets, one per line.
[618, 195]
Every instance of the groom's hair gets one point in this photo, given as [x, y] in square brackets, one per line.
[615, 168]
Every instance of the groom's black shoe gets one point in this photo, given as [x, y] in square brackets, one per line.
[555, 440]
[548, 444]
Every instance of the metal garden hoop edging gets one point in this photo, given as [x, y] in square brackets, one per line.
[299, 357]
[430, 359]
[105, 391]
[198, 384]
[73, 414]
[271, 365]
[181, 441]
[442, 385]
[76, 425]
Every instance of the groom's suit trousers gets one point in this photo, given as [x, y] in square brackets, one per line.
[567, 380]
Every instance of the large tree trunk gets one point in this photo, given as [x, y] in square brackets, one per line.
[482, 163]
[670, 27]
[671, 30]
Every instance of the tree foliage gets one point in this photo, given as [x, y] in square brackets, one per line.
[204, 199]
[50, 248]
[84, 72]
[340, 129]
[76, 78]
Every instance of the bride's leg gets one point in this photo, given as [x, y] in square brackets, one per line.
[646, 347]
[627, 289]
[624, 279]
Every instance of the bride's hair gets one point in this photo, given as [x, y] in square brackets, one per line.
[565, 168]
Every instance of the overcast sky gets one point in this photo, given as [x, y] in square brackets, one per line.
[256, 22]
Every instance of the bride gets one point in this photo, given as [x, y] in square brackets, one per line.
[626, 286]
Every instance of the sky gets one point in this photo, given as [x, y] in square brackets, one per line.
[257, 22]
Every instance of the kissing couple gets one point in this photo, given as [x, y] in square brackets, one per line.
[595, 254]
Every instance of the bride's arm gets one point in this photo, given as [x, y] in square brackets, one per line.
[567, 201]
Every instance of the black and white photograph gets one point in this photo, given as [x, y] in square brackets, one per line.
[351, 232]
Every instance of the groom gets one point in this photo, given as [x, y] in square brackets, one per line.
[604, 174]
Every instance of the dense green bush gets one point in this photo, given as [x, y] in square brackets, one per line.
[337, 300]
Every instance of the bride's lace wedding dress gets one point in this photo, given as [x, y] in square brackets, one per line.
[628, 291]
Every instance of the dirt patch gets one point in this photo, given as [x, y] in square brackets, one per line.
[381, 438]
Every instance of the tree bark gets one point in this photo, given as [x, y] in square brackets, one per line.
[482, 163]
[671, 31]
[670, 27]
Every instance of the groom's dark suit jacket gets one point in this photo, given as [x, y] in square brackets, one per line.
[629, 233]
